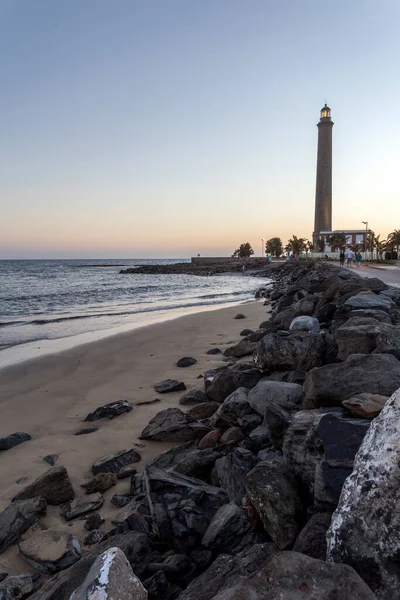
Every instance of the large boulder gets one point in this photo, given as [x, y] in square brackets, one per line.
[17, 587]
[18, 517]
[365, 530]
[367, 406]
[242, 348]
[357, 336]
[227, 381]
[294, 576]
[173, 425]
[299, 350]
[305, 323]
[236, 410]
[388, 341]
[205, 410]
[54, 485]
[331, 384]
[272, 491]
[197, 463]
[100, 483]
[81, 506]
[109, 578]
[230, 530]
[169, 385]
[369, 301]
[312, 538]
[231, 471]
[193, 397]
[14, 439]
[50, 551]
[171, 457]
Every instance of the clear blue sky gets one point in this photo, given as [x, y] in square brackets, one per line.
[171, 127]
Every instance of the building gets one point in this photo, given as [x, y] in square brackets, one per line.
[323, 189]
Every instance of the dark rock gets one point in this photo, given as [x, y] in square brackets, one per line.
[17, 518]
[369, 301]
[54, 486]
[120, 500]
[18, 587]
[231, 471]
[331, 384]
[364, 531]
[233, 435]
[94, 537]
[14, 440]
[51, 459]
[86, 430]
[114, 462]
[214, 351]
[259, 436]
[229, 380]
[357, 336]
[110, 410]
[131, 522]
[272, 491]
[81, 506]
[245, 332]
[203, 410]
[94, 521]
[197, 464]
[242, 348]
[100, 483]
[300, 350]
[193, 397]
[230, 531]
[312, 538]
[211, 439]
[169, 385]
[50, 551]
[299, 577]
[173, 425]
[3, 576]
[325, 313]
[171, 457]
[147, 402]
[305, 323]
[226, 571]
[110, 576]
[187, 361]
[126, 471]
[268, 327]
[367, 406]
[388, 341]
[236, 410]
[256, 336]
[157, 586]
[369, 313]
[240, 316]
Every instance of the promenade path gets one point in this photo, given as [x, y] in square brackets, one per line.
[389, 275]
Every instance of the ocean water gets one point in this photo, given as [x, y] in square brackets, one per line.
[53, 299]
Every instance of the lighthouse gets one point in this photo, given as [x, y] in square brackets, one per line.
[323, 190]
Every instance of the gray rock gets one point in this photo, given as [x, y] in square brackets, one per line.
[357, 336]
[157, 586]
[114, 462]
[294, 576]
[171, 457]
[205, 410]
[242, 348]
[18, 517]
[240, 316]
[233, 435]
[186, 361]
[94, 521]
[197, 463]
[81, 506]
[305, 323]
[121, 500]
[214, 351]
[236, 410]
[230, 531]
[50, 551]
[54, 486]
[272, 491]
[86, 430]
[51, 459]
[367, 406]
[193, 397]
[231, 471]
[299, 350]
[312, 538]
[100, 483]
[173, 425]
[169, 385]
[331, 384]
[370, 313]
[93, 537]
[110, 577]
[227, 381]
[18, 587]
[246, 332]
[364, 532]
[388, 341]
[126, 471]
[369, 301]
[110, 410]
[13, 440]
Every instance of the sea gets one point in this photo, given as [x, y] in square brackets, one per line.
[52, 305]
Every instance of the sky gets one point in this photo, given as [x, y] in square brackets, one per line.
[168, 128]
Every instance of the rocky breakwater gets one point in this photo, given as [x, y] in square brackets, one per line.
[267, 451]
[187, 268]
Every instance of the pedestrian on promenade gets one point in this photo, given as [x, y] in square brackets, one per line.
[342, 257]
[358, 259]
[350, 256]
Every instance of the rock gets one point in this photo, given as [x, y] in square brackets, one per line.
[305, 323]
[325, 313]
[268, 326]
[100, 483]
[364, 532]
[81, 506]
[357, 336]
[171, 457]
[50, 551]
[256, 336]
[304, 307]
[227, 570]
[331, 384]
[169, 385]
[187, 361]
[51, 459]
[367, 406]
[272, 491]
[369, 313]
[214, 351]
[294, 576]
[126, 471]
[193, 397]
[110, 410]
[18, 517]
[233, 435]
[120, 500]
[94, 537]
[110, 577]
[86, 430]
[18, 587]
[114, 462]
[54, 486]
[236, 410]
[259, 436]
[312, 538]
[14, 440]
[369, 301]
[94, 521]
[203, 410]
[242, 348]
[300, 350]
[197, 464]
[230, 531]
[227, 381]
[211, 439]
[231, 471]
[129, 522]
[245, 332]
[388, 341]
[240, 316]
[173, 425]
[147, 402]
[157, 586]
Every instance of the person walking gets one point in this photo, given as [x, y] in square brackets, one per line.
[342, 257]
[358, 259]
[350, 256]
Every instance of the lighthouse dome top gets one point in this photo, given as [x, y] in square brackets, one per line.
[325, 112]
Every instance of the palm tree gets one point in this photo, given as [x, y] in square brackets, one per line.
[394, 240]
[337, 240]
[379, 245]
[296, 245]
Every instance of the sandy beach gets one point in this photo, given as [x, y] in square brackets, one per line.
[50, 397]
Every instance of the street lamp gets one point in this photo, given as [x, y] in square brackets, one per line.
[262, 247]
[365, 243]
